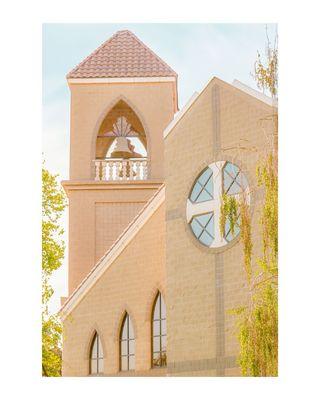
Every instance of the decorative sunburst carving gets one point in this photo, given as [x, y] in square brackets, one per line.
[122, 128]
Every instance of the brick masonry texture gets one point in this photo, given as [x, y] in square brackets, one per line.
[130, 284]
[91, 103]
[92, 214]
[204, 284]
[200, 285]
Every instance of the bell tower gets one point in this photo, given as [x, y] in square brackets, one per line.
[122, 98]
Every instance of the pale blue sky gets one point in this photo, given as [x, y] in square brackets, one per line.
[196, 52]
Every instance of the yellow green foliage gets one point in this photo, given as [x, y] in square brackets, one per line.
[266, 71]
[53, 204]
[258, 321]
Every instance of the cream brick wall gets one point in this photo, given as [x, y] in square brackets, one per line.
[200, 285]
[110, 221]
[130, 284]
[203, 284]
[154, 103]
[91, 232]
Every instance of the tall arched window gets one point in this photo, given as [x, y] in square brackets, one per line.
[96, 356]
[159, 333]
[127, 345]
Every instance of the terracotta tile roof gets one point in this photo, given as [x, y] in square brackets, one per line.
[123, 55]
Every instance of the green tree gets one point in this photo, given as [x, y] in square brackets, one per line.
[257, 320]
[53, 204]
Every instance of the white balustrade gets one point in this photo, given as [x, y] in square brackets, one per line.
[114, 169]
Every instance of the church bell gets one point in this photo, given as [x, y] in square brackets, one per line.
[121, 149]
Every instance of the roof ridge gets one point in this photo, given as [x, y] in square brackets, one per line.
[98, 263]
[136, 59]
[92, 54]
[150, 50]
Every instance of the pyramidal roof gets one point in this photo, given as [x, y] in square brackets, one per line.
[123, 55]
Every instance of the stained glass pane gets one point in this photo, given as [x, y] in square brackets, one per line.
[156, 328]
[203, 188]
[94, 353]
[93, 369]
[156, 314]
[232, 169]
[203, 178]
[195, 191]
[242, 181]
[131, 347]
[210, 226]
[235, 188]
[131, 362]
[159, 330]
[203, 219]
[100, 349]
[196, 227]
[100, 365]
[164, 342]
[124, 363]
[124, 332]
[163, 307]
[227, 181]
[207, 221]
[209, 186]
[204, 196]
[156, 359]
[228, 234]
[124, 347]
[205, 238]
[233, 180]
[163, 327]
[127, 344]
[156, 343]
[131, 330]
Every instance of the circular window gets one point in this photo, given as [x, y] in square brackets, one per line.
[204, 202]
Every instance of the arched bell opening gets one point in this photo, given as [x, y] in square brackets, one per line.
[121, 134]
[121, 146]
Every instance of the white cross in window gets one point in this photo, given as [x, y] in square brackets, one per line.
[214, 205]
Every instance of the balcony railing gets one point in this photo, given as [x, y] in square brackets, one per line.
[118, 169]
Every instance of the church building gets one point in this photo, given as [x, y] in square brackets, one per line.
[152, 275]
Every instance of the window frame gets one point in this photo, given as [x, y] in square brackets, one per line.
[100, 355]
[163, 361]
[195, 209]
[128, 355]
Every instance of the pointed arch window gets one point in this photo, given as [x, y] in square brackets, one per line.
[159, 332]
[127, 345]
[96, 356]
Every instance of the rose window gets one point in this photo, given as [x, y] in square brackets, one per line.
[204, 203]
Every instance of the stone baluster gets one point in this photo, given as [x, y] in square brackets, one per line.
[97, 169]
[111, 164]
[137, 170]
[117, 170]
[130, 166]
[141, 171]
[103, 166]
[124, 170]
[144, 170]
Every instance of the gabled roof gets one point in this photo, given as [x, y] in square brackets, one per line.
[252, 92]
[113, 253]
[236, 85]
[123, 55]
